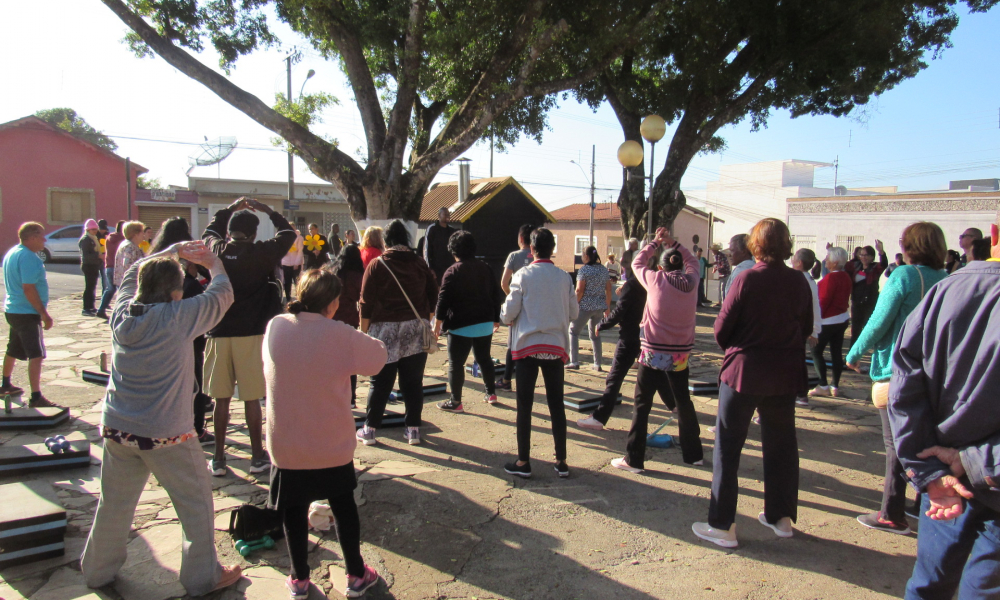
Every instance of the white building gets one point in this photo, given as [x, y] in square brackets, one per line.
[854, 221]
[747, 193]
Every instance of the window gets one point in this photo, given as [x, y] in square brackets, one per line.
[803, 241]
[850, 242]
[70, 205]
[72, 232]
[582, 241]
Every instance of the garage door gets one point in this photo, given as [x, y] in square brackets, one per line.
[154, 216]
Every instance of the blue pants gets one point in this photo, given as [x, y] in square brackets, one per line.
[959, 555]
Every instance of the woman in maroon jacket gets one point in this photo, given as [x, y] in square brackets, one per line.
[763, 325]
[834, 296]
[865, 274]
[348, 268]
[468, 308]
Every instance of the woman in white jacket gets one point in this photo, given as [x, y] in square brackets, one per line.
[538, 309]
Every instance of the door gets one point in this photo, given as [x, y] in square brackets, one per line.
[154, 215]
[64, 242]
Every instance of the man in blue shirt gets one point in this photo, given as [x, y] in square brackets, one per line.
[25, 309]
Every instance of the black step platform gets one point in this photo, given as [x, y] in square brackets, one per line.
[32, 523]
[21, 417]
[496, 368]
[389, 419]
[95, 377]
[583, 401]
[32, 458]
[711, 388]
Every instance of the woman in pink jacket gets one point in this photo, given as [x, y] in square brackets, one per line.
[310, 428]
[667, 340]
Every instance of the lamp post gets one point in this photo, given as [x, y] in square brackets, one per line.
[630, 154]
[291, 163]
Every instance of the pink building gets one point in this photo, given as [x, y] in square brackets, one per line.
[57, 179]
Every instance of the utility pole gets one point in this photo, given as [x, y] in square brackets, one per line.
[593, 159]
[128, 187]
[291, 165]
[491, 152]
[836, 170]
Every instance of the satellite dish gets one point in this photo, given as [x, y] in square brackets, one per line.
[213, 152]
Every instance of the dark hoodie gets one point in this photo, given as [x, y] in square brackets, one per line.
[381, 299]
[251, 267]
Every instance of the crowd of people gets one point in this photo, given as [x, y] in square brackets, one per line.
[232, 313]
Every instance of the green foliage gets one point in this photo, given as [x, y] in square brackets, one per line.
[305, 111]
[148, 183]
[67, 120]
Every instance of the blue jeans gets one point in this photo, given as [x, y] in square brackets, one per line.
[962, 554]
[109, 291]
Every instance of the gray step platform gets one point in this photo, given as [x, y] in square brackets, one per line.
[25, 417]
[32, 523]
[33, 458]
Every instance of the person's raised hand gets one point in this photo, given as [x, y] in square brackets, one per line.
[663, 237]
[196, 252]
[945, 495]
[238, 204]
[949, 456]
[879, 247]
[257, 205]
[829, 245]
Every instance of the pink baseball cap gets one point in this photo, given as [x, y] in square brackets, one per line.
[90, 224]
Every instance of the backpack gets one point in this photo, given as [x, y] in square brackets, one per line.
[250, 523]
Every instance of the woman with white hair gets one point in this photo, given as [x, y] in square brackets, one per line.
[834, 297]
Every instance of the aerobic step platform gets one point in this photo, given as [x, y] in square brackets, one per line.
[809, 361]
[583, 401]
[711, 388]
[432, 387]
[32, 523]
[389, 419]
[19, 416]
[497, 368]
[95, 377]
[32, 458]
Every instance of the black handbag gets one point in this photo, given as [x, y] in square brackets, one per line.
[250, 523]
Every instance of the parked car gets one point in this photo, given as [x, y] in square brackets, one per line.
[63, 244]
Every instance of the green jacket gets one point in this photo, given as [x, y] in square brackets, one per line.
[899, 296]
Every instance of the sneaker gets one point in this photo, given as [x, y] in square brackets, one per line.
[820, 390]
[102, 315]
[803, 401]
[572, 366]
[562, 469]
[297, 588]
[513, 468]
[41, 402]
[451, 406]
[698, 463]
[206, 438]
[366, 435]
[875, 521]
[721, 537]
[622, 463]
[210, 407]
[230, 575]
[598, 368]
[412, 435]
[590, 423]
[261, 465]
[834, 391]
[504, 385]
[490, 398]
[782, 529]
[357, 586]
[756, 420]
[89, 313]
[11, 389]
[217, 467]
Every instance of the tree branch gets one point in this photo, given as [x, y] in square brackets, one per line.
[317, 152]
[406, 91]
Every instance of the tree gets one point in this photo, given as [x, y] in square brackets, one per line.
[70, 122]
[429, 78]
[148, 183]
[718, 63]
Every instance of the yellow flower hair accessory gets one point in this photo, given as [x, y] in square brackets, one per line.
[313, 242]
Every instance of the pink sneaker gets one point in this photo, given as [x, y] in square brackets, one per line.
[298, 588]
[357, 586]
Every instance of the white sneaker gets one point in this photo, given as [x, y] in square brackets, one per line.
[412, 435]
[621, 463]
[366, 435]
[590, 423]
[721, 537]
[820, 390]
[782, 529]
[803, 401]
[834, 392]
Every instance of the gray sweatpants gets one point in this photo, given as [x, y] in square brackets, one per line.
[586, 320]
[181, 470]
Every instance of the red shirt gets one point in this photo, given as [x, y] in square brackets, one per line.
[369, 254]
[834, 294]
[111, 248]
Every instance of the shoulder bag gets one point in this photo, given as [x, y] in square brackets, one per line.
[880, 389]
[430, 342]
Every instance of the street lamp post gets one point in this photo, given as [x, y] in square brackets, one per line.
[630, 154]
[291, 163]
[593, 160]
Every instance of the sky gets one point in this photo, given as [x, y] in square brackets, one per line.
[940, 126]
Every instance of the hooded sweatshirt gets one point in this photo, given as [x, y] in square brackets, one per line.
[152, 386]
[540, 306]
[671, 301]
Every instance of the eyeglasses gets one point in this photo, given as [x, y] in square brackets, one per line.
[965, 235]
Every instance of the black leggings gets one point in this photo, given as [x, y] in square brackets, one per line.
[91, 273]
[672, 386]
[201, 400]
[458, 352]
[411, 385]
[833, 335]
[526, 371]
[348, 526]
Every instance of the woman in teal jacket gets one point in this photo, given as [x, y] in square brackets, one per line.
[925, 249]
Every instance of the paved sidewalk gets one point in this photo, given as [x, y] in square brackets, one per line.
[442, 520]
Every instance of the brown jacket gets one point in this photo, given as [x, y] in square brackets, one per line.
[381, 299]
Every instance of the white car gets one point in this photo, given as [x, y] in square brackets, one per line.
[63, 244]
